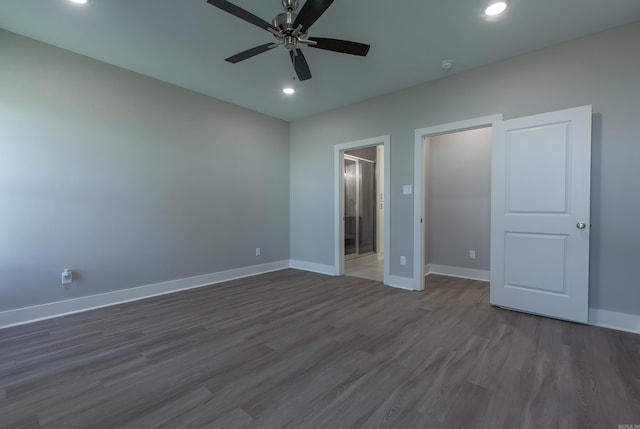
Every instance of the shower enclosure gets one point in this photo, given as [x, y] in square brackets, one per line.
[359, 206]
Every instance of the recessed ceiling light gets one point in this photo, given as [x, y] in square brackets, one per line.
[496, 8]
[288, 90]
[79, 1]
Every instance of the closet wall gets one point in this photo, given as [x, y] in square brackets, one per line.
[457, 200]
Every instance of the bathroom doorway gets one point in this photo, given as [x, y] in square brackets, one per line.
[362, 239]
[364, 212]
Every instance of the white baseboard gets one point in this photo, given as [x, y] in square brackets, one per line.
[54, 309]
[465, 273]
[614, 320]
[407, 283]
[313, 267]
[597, 317]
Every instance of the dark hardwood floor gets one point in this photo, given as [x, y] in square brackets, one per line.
[296, 349]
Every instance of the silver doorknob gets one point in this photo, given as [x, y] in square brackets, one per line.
[581, 225]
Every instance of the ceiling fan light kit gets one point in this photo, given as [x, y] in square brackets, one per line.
[290, 30]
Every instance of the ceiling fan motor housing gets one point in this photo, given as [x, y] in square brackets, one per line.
[284, 21]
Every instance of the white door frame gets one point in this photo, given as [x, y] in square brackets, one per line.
[338, 201]
[418, 183]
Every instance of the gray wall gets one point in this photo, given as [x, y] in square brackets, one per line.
[458, 199]
[601, 70]
[127, 180]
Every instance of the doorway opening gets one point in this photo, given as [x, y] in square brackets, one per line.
[452, 169]
[457, 208]
[361, 211]
[360, 202]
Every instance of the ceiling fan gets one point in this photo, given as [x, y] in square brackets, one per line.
[290, 30]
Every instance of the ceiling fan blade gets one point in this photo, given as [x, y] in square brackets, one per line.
[342, 46]
[250, 53]
[241, 13]
[310, 12]
[300, 64]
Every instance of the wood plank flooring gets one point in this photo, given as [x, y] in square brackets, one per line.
[294, 349]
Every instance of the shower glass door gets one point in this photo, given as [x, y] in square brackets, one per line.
[359, 206]
[350, 206]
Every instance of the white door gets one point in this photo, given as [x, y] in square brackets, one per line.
[541, 173]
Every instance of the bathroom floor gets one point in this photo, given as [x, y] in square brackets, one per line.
[367, 267]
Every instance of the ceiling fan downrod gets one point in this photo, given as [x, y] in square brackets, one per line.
[290, 5]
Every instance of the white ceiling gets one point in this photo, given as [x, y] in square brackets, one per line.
[185, 42]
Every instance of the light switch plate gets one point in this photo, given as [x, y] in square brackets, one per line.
[66, 277]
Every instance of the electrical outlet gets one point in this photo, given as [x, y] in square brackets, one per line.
[257, 251]
[472, 254]
[403, 260]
